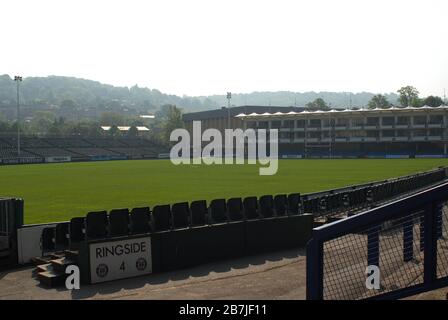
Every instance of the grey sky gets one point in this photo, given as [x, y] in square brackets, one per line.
[209, 47]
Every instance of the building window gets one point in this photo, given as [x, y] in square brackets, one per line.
[419, 120]
[388, 133]
[404, 121]
[373, 121]
[288, 124]
[276, 124]
[436, 119]
[263, 125]
[300, 123]
[388, 121]
[315, 123]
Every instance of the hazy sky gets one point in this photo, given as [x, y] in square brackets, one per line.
[209, 47]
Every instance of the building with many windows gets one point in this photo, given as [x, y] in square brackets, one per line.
[371, 133]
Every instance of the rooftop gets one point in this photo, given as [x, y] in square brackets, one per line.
[339, 111]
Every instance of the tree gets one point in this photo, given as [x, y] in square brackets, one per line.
[379, 101]
[408, 96]
[433, 101]
[318, 104]
[173, 120]
[112, 119]
[113, 131]
[132, 132]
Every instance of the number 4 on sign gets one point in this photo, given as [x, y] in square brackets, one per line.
[122, 267]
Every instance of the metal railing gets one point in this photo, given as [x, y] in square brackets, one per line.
[406, 239]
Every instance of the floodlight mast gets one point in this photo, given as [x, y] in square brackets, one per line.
[18, 79]
[229, 98]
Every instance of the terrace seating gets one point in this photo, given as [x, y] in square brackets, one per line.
[181, 214]
[218, 210]
[250, 208]
[96, 225]
[140, 220]
[161, 217]
[235, 209]
[280, 204]
[198, 213]
[118, 222]
[92, 152]
[266, 206]
[52, 152]
[12, 153]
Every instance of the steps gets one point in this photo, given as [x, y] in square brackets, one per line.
[51, 269]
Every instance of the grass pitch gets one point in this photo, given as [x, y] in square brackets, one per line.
[58, 192]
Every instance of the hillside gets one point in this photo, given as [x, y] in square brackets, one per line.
[81, 94]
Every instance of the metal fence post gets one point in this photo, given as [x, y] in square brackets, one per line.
[314, 270]
[373, 246]
[408, 239]
[430, 239]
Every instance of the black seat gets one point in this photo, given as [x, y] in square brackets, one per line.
[181, 214]
[280, 204]
[77, 230]
[62, 236]
[96, 225]
[266, 206]
[140, 220]
[235, 209]
[218, 210]
[118, 222]
[162, 217]
[250, 207]
[47, 240]
[294, 203]
[198, 213]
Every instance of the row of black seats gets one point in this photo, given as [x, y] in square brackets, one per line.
[363, 196]
[121, 222]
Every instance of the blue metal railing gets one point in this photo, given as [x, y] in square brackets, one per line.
[407, 239]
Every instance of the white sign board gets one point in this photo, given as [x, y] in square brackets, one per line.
[120, 259]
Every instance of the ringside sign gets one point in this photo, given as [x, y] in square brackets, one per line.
[120, 259]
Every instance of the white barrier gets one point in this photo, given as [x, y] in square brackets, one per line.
[28, 241]
[58, 159]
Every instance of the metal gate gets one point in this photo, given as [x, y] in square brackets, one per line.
[11, 218]
[407, 240]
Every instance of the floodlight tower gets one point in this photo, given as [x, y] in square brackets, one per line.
[229, 98]
[18, 79]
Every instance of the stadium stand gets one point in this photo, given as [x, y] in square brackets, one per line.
[77, 149]
[52, 152]
[91, 152]
[183, 235]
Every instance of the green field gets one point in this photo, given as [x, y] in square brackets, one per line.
[57, 192]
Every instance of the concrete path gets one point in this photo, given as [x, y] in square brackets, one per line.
[278, 275]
